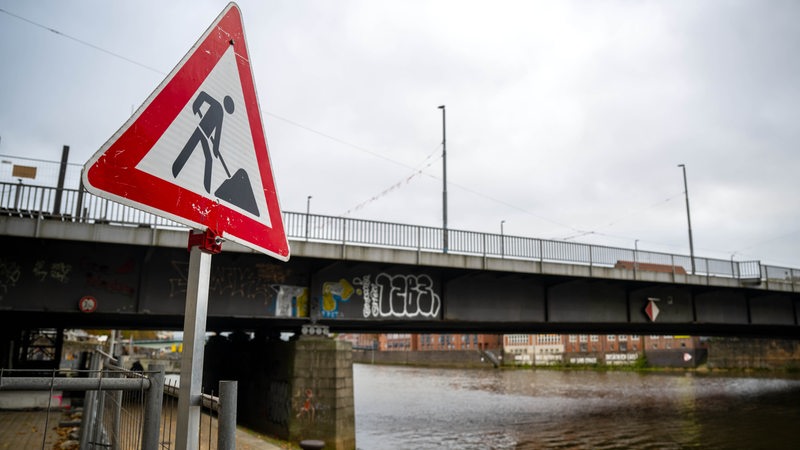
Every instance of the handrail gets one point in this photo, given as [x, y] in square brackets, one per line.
[38, 202]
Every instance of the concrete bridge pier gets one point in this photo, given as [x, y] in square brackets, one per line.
[296, 390]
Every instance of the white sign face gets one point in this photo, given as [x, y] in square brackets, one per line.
[207, 148]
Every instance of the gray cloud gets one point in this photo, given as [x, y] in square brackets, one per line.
[562, 117]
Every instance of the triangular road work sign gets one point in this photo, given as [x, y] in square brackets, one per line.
[195, 152]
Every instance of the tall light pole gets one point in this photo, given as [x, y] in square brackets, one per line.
[444, 181]
[502, 239]
[308, 213]
[688, 216]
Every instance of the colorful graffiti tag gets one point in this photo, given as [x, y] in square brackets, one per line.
[398, 296]
[386, 296]
[291, 301]
[333, 293]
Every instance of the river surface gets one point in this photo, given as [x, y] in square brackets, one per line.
[424, 408]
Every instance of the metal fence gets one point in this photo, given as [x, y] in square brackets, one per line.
[127, 410]
[43, 202]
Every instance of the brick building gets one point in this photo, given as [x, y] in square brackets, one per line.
[398, 342]
[548, 349]
[360, 341]
[551, 349]
[433, 342]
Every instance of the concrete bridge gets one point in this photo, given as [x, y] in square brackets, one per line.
[61, 246]
[71, 260]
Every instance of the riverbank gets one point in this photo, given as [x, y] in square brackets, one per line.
[716, 355]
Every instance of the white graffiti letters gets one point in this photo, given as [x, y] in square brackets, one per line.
[396, 296]
[9, 274]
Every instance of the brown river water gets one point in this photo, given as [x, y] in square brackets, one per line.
[426, 408]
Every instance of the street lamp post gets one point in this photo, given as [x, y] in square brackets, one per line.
[502, 239]
[444, 181]
[688, 216]
[308, 213]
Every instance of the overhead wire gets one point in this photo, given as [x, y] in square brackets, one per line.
[416, 171]
[404, 181]
[81, 41]
[618, 220]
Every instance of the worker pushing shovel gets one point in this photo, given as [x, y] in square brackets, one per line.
[209, 129]
[236, 189]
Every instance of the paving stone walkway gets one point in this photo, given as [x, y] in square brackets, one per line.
[36, 429]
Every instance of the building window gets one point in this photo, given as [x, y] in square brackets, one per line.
[548, 339]
[612, 338]
[518, 339]
[584, 338]
[573, 338]
[595, 338]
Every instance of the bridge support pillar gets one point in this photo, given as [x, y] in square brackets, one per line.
[297, 390]
[322, 393]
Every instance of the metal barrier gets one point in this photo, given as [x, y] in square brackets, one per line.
[124, 410]
[39, 202]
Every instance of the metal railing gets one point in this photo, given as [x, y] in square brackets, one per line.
[127, 410]
[40, 202]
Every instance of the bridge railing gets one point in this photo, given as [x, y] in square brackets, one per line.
[43, 202]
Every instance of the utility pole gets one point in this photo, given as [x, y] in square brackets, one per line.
[502, 239]
[688, 216]
[308, 213]
[444, 181]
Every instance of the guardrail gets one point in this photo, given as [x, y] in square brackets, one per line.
[124, 409]
[42, 202]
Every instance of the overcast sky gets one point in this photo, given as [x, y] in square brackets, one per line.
[566, 120]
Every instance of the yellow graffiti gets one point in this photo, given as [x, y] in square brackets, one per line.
[333, 292]
[302, 304]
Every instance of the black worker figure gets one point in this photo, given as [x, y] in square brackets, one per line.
[236, 189]
[209, 129]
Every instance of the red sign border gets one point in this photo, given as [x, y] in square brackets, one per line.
[92, 301]
[112, 172]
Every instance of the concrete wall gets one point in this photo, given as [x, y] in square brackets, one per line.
[30, 400]
[687, 358]
[773, 354]
[462, 358]
[294, 390]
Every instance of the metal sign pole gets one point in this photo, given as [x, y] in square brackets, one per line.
[201, 247]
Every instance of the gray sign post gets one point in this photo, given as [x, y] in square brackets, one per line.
[202, 246]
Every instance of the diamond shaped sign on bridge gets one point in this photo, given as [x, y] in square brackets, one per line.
[195, 152]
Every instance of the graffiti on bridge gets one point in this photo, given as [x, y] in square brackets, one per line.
[334, 293]
[263, 283]
[291, 301]
[226, 281]
[103, 276]
[58, 271]
[386, 296]
[10, 273]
